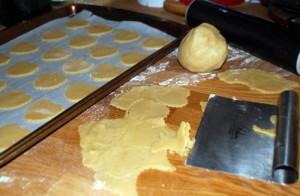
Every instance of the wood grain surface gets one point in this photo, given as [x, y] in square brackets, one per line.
[54, 166]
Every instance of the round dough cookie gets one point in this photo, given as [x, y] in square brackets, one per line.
[54, 35]
[76, 65]
[76, 23]
[203, 49]
[131, 58]
[154, 43]
[4, 59]
[56, 54]
[10, 134]
[13, 99]
[78, 91]
[99, 29]
[82, 41]
[126, 36]
[2, 85]
[22, 68]
[42, 110]
[106, 72]
[49, 80]
[100, 52]
[24, 48]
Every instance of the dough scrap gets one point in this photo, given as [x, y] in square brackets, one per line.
[262, 81]
[56, 54]
[203, 49]
[99, 29]
[125, 36]
[76, 66]
[10, 134]
[82, 41]
[49, 80]
[106, 72]
[22, 68]
[168, 96]
[154, 43]
[131, 58]
[25, 47]
[14, 99]
[2, 85]
[78, 91]
[53, 35]
[203, 105]
[102, 51]
[42, 110]
[118, 150]
[77, 23]
[4, 59]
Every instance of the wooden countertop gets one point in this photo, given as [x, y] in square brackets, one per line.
[54, 166]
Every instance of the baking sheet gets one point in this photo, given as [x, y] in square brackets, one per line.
[57, 95]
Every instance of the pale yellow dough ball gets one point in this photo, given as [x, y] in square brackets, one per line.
[203, 49]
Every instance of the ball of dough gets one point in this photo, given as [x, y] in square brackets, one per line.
[203, 49]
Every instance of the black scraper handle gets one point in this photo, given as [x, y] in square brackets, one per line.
[269, 41]
[285, 162]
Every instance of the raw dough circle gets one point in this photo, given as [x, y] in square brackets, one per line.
[42, 110]
[13, 99]
[53, 35]
[49, 80]
[76, 65]
[2, 85]
[10, 134]
[4, 59]
[99, 29]
[24, 48]
[131, 58]
[154, 43]
[76, 23]
[203, 49]
[78, 91]
[106, 72]
[82, 41]
[126, 36]
[147, 109]
[100, 52]
[56, 54]
[22, 68]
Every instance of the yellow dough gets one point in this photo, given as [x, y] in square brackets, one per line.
[54, 35]
[42, 110]
[203, 49]
[13, 99]
[76, 65]
[10, 134]
[133, 57]
[56, 54]
[78, 91]
[106, 72]
[99, 29]
[203, 105]
[2, 85]
[49, 80]
[102, 51]
[76, 23]
[25, 47]
[118, 150]
[169, 96]
[154, 43]
[4, 59]
[22, 68]
[126, 36]
[264, 82]
[82, 41]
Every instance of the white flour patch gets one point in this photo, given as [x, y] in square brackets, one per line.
[6, 179]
